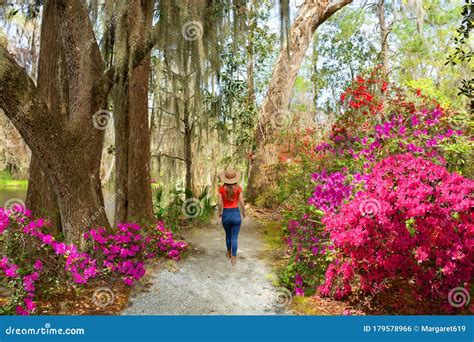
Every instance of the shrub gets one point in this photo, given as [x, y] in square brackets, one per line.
[307, 245]
[379, 121]
[413, 221]
[35, 261]
[126, 250]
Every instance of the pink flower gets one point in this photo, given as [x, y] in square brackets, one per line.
[421, 255]
[423, 214]
[128, 281]
[11, 271]
[38, 266]
[29, 304]
[21, 311]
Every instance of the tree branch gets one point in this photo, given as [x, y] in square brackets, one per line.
[172, 157]
[27, 110]
[106, 82]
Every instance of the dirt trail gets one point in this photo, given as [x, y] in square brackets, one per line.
[205, 283]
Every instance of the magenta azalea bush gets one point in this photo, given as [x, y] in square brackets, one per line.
[35, 258]
[388, 198]
[330, 190]
[125, 251]
[413, 222]
[308, 244]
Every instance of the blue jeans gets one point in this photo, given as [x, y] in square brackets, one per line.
[231, 221]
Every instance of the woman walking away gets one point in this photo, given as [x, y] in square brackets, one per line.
[230, 199]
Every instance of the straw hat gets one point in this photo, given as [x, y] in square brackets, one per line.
[230, 176]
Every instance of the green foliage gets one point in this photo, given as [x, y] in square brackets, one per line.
[235, 104]
[306, 264]
[288, 186]
[345, 48]
[173, 207]
[462, 50]
[422, 54]
[430, 89]
[7, 181]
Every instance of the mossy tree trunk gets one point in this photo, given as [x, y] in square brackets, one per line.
[68, 147]
[133, 199]
[40, 197]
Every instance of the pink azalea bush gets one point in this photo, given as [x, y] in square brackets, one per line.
[79, 265]
[29, 246]
[126, 250]
[307, 243]
[330, 190]
[26, 283]
[413, 222]
[373, 223]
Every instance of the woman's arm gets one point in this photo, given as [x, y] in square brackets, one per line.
[242, 204]
[220, 204]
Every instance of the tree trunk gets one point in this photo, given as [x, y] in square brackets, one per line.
[311, 14]
[133, 186]
[68, 148]
[383, 36]
[188, 157]
[140, 195]
[251, 55]
[40, 198]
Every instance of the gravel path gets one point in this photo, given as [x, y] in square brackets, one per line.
[205, 283]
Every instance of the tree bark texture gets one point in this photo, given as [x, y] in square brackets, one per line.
[40, 197]
[132, 130]
[67, 147]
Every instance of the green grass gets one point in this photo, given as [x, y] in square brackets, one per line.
[272, 232]
[6, 181]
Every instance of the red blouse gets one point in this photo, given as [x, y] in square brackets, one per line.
[230, 204]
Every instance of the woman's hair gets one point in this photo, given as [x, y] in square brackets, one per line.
[230, 191]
